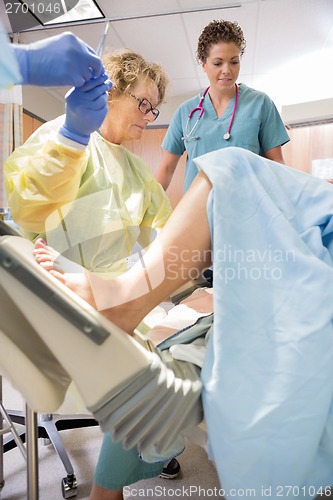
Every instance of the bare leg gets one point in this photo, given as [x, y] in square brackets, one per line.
[99, 493]
[182, 247]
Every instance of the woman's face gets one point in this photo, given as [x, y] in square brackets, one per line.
[223, 65]
[124, 121]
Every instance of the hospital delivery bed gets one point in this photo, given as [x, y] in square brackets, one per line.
[142, 396]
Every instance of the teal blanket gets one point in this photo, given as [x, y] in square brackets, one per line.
[268, 372]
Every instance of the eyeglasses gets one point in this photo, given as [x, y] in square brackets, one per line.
[145, 106]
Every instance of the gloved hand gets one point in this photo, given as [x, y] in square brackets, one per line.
[60, 60]
[86, 108]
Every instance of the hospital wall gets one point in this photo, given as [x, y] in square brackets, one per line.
[307, 143]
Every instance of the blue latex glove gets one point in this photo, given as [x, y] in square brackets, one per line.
[60, 60]
[86, 108]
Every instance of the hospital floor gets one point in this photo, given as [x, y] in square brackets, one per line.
[196, 480]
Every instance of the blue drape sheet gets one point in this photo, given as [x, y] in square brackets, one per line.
[268, 372]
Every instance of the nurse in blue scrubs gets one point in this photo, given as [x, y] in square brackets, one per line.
[226, 113]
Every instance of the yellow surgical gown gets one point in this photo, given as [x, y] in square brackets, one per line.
[91, 204]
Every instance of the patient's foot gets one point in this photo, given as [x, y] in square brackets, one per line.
[67, 272]
[91, 287]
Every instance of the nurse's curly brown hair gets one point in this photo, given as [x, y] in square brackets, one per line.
[217, 32]
[124, 67]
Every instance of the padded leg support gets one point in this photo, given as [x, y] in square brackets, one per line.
[156, 407]
[142, 398]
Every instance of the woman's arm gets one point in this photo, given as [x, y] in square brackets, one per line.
[167, 168]
[275, 154]
[40, 176]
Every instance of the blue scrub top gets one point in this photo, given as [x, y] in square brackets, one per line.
[257, 127]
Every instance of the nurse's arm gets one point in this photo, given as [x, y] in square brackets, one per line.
[167, 168]
[275, 154]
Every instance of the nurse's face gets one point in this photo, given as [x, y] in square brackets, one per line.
[126, 121]
[223, 65]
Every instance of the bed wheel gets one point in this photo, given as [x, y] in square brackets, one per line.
[69, 486]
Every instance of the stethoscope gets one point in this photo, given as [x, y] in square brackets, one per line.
[188, 133]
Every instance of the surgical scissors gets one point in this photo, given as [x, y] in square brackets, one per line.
[101, 44]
